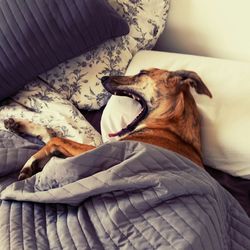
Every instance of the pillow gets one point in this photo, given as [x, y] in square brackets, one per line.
[225, 117]
[78, 79]
[37, 35]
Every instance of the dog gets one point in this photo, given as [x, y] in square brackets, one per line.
[169, 117]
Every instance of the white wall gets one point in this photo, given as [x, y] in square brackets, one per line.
[217, 28]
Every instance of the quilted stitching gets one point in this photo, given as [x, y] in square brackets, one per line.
[160, 202]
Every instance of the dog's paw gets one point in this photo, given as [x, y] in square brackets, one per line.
[22, 126]
[25, 173]
[30, 168]
[12, 125]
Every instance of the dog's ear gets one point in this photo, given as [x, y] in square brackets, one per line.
[190, 78]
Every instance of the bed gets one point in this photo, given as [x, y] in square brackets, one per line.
[124, 195]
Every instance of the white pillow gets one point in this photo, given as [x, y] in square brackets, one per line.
[225, 117]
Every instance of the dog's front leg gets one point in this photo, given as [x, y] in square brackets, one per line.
[55, 146]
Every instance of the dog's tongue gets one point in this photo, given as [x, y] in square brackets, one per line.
[120, 133]
[133, 124]
[124, 131]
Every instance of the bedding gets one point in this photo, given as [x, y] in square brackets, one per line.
[38, 35]
[136, 196]
[238, 187]
[44, 103]
[123, 195]
[225, 119]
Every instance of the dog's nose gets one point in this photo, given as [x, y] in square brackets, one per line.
[104, 78]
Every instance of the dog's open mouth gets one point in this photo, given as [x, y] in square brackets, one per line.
[129, 93]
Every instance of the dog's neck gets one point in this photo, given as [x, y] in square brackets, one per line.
[166, 139]
[180, 134]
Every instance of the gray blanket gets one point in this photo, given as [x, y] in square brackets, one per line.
[123, 195]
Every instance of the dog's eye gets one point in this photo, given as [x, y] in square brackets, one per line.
[142, 72]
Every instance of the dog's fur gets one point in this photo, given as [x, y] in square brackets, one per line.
[172, 121]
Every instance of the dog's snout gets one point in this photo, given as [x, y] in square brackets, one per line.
[104, 78]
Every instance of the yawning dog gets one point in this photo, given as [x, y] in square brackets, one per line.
[169, 117]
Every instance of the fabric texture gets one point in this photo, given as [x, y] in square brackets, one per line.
[225, 118]
[78, 79]
[38, 35]
[122, 195]
[237, 186]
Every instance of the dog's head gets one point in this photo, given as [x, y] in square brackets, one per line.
[165, 91]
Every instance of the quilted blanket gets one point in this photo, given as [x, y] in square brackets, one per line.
[123, 195]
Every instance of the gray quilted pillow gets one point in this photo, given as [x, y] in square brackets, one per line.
[37, 35]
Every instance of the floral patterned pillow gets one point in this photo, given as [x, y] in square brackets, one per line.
[78, 79]
[42, 105]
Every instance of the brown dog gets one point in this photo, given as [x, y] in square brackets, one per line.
[169, 116]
